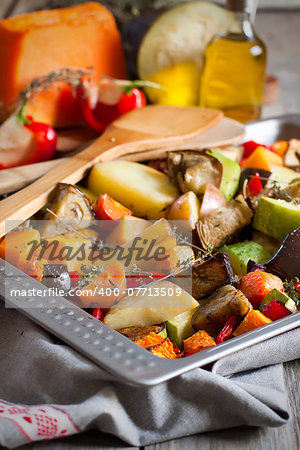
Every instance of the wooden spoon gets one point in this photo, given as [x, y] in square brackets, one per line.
[226, 132]
[150, 127]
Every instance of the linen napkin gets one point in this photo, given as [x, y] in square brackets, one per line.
[48, 390]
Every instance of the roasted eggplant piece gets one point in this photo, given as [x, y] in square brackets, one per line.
[135, 333]
[215, 229]
[212, 313]
[286, 261]
[69, 205]
[191, 170]
[56, 276]
[210, 275]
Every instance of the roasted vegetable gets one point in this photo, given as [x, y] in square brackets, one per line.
[158, 345]
[69, 205]
[281, 177]
[218, 308]
[56, 276]
[106, 208]
[282, 297]
[15, 248]
[104, 289]
[191, 170]
[292, 155]
[218, 226]
[185, 208]
[143, 308]
[230, 174]
[212, 199]
[248, 173]
[136, 332]
[286, 262]
[276, 310]
[241, 252]
[126, 229]
[256, 285]
[293, 190]
[227, 330]
[253, 320]
[262, 158]
[210, 275]
[276, 217]
[180, 327]
[198, 342]
[145, 191]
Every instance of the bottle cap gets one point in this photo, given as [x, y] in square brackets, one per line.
[247, 6]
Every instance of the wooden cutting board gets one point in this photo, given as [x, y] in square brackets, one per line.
[151, 127]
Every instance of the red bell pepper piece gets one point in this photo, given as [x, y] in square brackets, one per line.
[276, 310]
[75, 278]
[103, 100]
[106, 208]
[98, 313]
[250, 146]
[254, 186]
[227, 331]
[134, 280]
[23, 141]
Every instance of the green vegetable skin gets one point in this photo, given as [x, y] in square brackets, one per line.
[240, 253]
[276, 218]
[230, 176]
[163, 333]
[180, 327]
[275, 294]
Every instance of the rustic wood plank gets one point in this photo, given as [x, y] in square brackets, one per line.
[286, 437]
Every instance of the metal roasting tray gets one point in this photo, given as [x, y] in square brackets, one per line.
[108, 348]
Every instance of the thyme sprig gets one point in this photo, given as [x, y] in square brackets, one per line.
[281, 194]
[89, 273]
[71, 77]
[291, 291]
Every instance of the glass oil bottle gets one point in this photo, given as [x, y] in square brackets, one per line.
[234, 69]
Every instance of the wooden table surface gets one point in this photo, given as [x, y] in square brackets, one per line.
[281, 33]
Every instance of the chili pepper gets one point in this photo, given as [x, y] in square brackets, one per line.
[227, 331]
[250, 146]
[98, 313]
[254, 186]
[102, 100]
[46, 139]
[275, 310]
[23, 141]
[75, 278]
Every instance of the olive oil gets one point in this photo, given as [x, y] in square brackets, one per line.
[234, 70]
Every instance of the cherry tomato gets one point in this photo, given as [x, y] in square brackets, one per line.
[254, 186]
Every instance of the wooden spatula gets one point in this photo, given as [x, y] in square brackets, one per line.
[150, 127]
